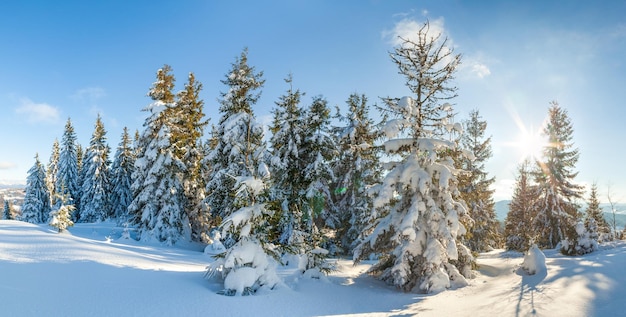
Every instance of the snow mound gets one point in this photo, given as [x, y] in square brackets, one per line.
[534, 261]
[240, 279]
[214, 248]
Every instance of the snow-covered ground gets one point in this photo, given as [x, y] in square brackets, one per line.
[91, 271]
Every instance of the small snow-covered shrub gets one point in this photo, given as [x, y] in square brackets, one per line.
[534, 261]
[245, 268]
[215, 246]
[583, 242]
[126, 232]
[62, 217]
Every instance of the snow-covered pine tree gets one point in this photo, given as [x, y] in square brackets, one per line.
[51, 172]
[250, 262]
[318, 152]
[7, 212]
[67, 173]
[96, 187]
[61, 217]
[557, 212]
[418, 236]
[121, 179]
[236, 134]
[522, 209]
[474, 183]
[298, 136]
[187, 129]
[356, 168]
[594, 217]
[288, 180]
[36, 206]
[157, 190]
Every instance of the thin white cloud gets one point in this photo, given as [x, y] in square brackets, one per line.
[480, 70]
[408, 28]
[89, 94]
[38, 112]
[404, 14]
[7, 165]
[473, 66]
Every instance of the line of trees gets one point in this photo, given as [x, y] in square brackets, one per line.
[316, 188]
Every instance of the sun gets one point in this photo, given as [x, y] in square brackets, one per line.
[530, 141]
[530, 144]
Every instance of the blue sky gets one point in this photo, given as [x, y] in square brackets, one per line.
[76, 59]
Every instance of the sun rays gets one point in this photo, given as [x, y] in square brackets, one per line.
[530, 141]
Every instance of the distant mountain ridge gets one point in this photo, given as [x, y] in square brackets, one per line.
[502, 209]
[11, 185]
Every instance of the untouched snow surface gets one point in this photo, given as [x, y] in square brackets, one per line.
[91, 271]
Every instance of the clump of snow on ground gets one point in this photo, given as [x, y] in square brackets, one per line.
[215, 245]
[241, 278]
[534, 261]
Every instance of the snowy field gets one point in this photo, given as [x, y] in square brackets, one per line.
[91, 271]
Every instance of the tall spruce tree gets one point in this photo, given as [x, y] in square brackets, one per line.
[418, 236]
[51, 172]
[357, 168]
[474, 183]
[318, 152]
[36, 206]
[287, 166]
[301, 188]
[250, 229]
[121, 178]
[557, 211]
[236, 135]
[594, 217]
[187, 130]
[157, 171]
[522, 209]
[96, 186]
[67, 173]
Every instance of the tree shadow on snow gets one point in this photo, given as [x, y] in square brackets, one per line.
[352, 291]
[594, 282]
[528, 288]
[600, 273]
